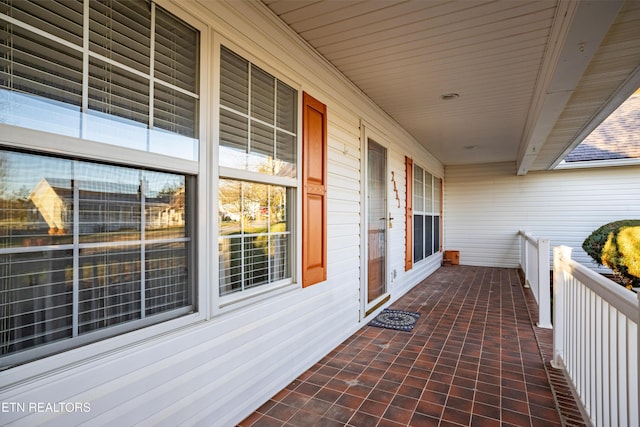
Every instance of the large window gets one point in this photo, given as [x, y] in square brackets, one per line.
[86, 246]
[426, 214]
[132, 81]
[258, 157]
[89, 248]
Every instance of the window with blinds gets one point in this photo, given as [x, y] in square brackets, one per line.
[85, 247]
[258, 119]
[142, 71]
[426, 214]
[91, 250]
[258, 140]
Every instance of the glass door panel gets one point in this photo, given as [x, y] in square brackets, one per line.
[377, 220]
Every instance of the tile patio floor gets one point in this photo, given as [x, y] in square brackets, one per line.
[474, 358]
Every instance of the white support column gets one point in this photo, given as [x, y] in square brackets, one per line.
[560, 255]
[544, 291]
[525, 259]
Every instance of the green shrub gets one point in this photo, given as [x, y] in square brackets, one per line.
[617, 245]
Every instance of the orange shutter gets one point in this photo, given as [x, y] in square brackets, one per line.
[314, 194]
[408, 250]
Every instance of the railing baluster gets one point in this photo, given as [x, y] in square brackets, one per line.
[544, 291]
[622, 369]
[606, 393]
[598, 356]
[613, 372]
[597, 341]
[636, 419]
[534, 261]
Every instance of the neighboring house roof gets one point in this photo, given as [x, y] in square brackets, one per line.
[617, 137]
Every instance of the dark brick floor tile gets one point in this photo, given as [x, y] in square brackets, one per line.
[304, 419]
[350, 401]
[423, 420]
[410, 391]
[456, 416]
[480, 421]
[380, 396]
[388, 423]
[487, 411]
[515, 418]
[404, 402]
[430, 408]
[295, 399]
[339, 413]
[363, 419]
[265, 408]
[459, 403]
[399, 415]
[282, 412]
[327, 395]
[372, 407]
[473, 359]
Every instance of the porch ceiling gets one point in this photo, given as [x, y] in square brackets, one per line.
[532, 76]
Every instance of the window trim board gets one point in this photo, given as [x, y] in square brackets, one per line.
[50, 143]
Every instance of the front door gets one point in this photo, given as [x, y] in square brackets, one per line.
[376, 223]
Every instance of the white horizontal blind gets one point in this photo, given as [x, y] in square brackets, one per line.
[418, 189]
[60, 18]
[121, 31]
[37, 65]
[175, 66]
[176, 52]
[117, 92]
[262, 95]
[234, 78]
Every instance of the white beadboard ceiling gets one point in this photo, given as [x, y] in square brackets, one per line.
[531, 75]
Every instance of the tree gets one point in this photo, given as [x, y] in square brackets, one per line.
[617, 245]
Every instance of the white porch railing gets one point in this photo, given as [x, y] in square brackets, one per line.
[534, 261]
[596, 340]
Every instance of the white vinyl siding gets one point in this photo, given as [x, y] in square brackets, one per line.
[486, 205]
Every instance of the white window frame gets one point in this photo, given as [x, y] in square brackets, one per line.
[433, 212]
[45, 143]
[222, 304]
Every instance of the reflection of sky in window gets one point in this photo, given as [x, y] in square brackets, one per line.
[42, 114]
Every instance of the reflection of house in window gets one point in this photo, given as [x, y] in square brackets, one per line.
[51, 204]
[104, 207]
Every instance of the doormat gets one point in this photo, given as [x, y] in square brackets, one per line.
[399, 320]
